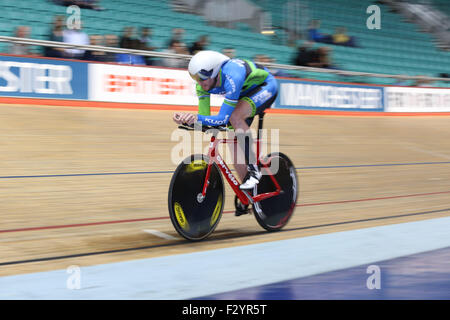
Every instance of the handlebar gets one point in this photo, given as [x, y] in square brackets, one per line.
[204, 128]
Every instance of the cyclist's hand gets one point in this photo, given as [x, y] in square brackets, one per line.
[188, 118]
[177, 117]
[182, 118]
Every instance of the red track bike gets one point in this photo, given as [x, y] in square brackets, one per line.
[197, 194]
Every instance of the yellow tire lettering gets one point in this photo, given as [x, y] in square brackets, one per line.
[216, 212]
[196, 165]
[179, 214]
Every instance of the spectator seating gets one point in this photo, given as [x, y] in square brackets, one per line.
[397, 48]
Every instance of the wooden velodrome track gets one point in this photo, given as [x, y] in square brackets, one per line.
[79, 186]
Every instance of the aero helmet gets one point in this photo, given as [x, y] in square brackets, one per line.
[206, 64]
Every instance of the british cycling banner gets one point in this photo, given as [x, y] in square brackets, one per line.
[117, 83]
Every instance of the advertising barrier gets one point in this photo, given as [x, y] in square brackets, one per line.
[87, 84]
[41, 78]
[311, 95]
[116, 83]
[402, 99]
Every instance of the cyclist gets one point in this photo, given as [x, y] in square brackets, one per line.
[248, 88]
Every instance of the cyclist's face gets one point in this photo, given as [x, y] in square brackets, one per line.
[206, 84]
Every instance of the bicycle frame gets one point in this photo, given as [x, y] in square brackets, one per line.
[244, 197]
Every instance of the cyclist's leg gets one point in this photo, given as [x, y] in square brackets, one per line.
[239, 165]
[252, 103]
[238, 118]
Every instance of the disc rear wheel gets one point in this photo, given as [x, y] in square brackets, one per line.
[274, 213]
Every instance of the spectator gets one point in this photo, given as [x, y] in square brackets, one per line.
[134, 59]
[90, 4]
[320, 58]
[257, 58]
[179, 48]
[341, 38]
[85, 4]
[56, 34]
[127, 38]
[75, 36]
[111, 40]
[229, 52]
[444, 75]
[177, 36]
[95, 40]
[199, 45]
[304, 54]
[18, 48]
[315, 35]
[401, 82]
[146, 39]
[146, 44]
[325, 57]
[266, 59]
[423, 82]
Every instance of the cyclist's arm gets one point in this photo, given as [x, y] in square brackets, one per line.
[232, 85]
[204, 106]
[222, 117]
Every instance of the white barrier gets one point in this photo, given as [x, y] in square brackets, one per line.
[402, 99]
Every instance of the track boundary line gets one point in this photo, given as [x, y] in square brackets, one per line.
[49, 102]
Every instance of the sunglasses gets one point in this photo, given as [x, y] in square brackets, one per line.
[202, 75]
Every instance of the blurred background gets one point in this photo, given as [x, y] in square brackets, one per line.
[396, 37]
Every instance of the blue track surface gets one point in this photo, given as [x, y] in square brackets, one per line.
[420, 276]
[413, 259]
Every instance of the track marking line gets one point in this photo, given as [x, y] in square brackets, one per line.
[429, 152]
[178, 243]
[225, 212]
[170, 171]
[160, 234]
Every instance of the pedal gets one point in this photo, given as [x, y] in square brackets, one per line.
[241, 208]
[239, 212]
